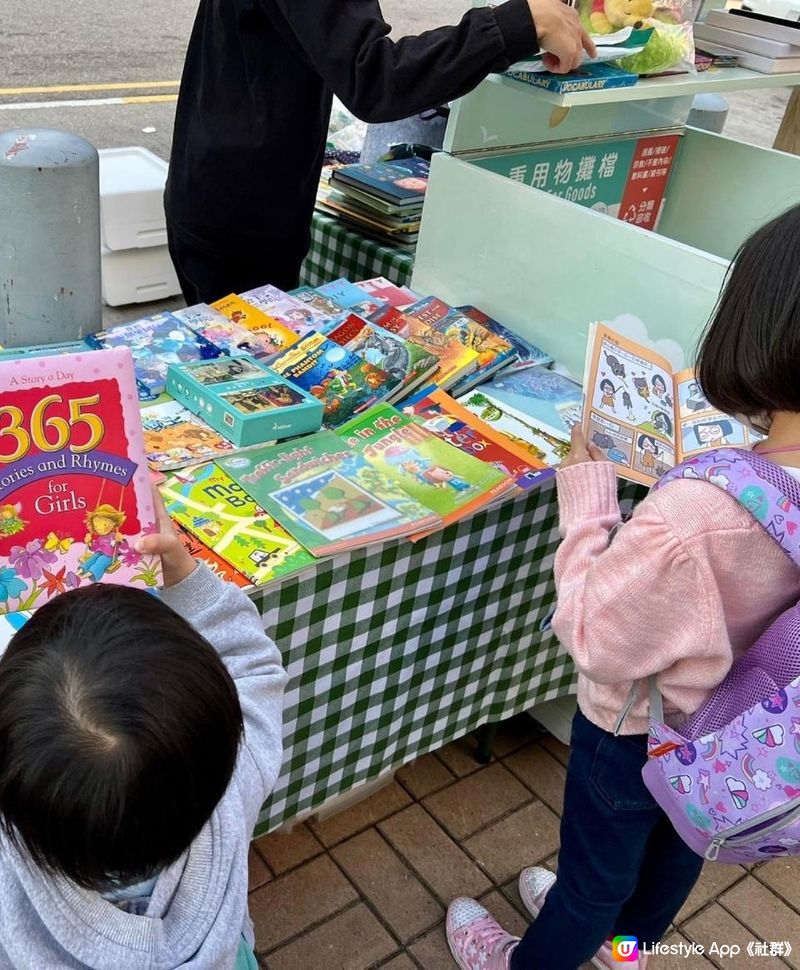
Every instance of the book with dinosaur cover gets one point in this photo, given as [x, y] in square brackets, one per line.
[234, 339]
[217, 565]
[342, 381]
[525, 352]
[450, 482]
[155, 343]
[645, 417]
[326, 495]
[174, 437]
[75, 490]
[221, 514]
[455, 360]
[441, 414]
[244, 400]
[538, 441]
[272, 335]
[408, 365]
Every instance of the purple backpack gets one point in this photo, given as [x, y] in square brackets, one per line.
[729, 780]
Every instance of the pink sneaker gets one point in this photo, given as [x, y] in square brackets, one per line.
[476, 940]
[534, 885]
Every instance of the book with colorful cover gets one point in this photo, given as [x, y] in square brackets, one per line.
[323, 307]
[538, 441]
[327, 495]
[450, 482]
[10, 623]
[455, 360]
[493, 352]
[175, 438]
[75, 490]
[273, 337]
[525, 353]
[234, 339]
[155, 343]
[441, 414]
[198, 550]
[409, 365]
[549, 399]
[588, 77]
[388, 292]
[644, 416]
[402, 182]
[221, 514]
[46, 350]
[344, 382]
[289, 310]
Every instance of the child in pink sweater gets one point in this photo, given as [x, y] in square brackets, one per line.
[680, 591]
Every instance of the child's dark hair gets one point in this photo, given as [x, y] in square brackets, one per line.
[119, 732]
[750, 353]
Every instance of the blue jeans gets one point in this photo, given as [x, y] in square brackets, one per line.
[622, 868]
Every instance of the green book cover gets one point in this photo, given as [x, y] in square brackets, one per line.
[327, 495]
[218, 511]
[430, 469]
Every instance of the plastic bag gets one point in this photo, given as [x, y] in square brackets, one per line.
[671, 46]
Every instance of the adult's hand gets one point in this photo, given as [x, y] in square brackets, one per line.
[561, 35]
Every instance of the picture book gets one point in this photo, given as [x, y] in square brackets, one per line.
[155, 343]
[388, 292]
[642, 416]
[401, 182]
[75, 490]
[493, 352]
[525, 353]
[9, 624]
[292, 312]
[589, 77]
[322, 306]
[327, 495]
[450, 482]
[221, 514]
[234, 339]
[217, 565]
[175, 438]
[244, 400]
[408, 365]
[455, 360]
[546, 397]
[344, 382]
[272, 335]
[445, 417]
[536, 440]
[344, 294]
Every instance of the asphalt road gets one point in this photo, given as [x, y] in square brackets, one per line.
[120, 49]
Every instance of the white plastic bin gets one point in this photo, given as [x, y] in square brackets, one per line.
[138, 276]
[132, 184]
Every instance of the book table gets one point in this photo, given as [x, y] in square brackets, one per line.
[396, 650]
[337, 250]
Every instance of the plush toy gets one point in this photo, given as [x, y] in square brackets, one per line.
[608, 16]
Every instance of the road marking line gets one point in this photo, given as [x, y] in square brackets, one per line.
[110, 86]
[89, 102]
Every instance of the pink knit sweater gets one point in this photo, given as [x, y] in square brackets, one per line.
[686, 586]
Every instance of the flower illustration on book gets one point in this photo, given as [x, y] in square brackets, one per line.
[30, 560]
[11, 586]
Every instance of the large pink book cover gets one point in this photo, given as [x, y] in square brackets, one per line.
[75, 490]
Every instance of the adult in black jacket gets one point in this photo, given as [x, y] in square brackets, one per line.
[255, 101]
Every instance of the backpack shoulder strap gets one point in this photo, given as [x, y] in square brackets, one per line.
[764, 489]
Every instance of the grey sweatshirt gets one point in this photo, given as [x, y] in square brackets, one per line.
[198, 910]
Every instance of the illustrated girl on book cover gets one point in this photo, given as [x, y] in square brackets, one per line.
[103, 541]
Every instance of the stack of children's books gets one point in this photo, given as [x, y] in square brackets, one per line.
[383, 200]
[75, 491]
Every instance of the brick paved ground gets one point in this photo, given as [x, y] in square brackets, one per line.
[369, 887]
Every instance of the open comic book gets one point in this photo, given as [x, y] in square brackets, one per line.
[645, 418]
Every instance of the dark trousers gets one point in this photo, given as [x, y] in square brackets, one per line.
[207, 276]
[622, 869]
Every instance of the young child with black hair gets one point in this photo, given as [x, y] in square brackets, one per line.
[678, 593]
[139, 737]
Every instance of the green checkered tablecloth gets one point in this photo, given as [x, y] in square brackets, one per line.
[395, 650]
[339, 251]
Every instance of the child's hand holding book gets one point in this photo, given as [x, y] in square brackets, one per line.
[177, 564]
